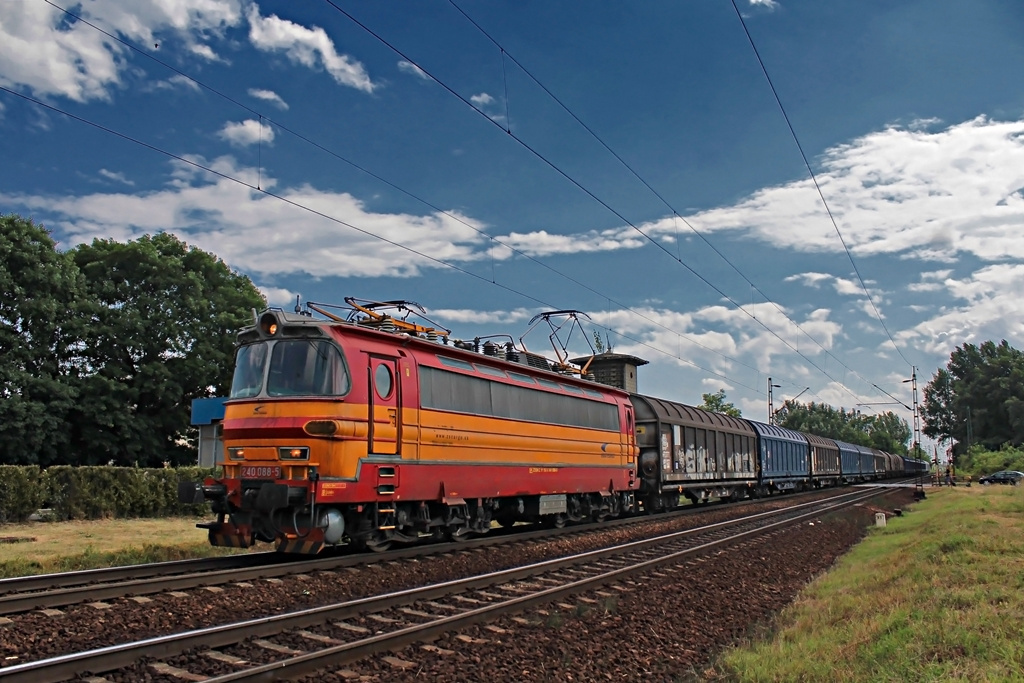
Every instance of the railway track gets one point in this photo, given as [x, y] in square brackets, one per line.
[49, 591]
[60, 590]
[14, 590]
[329, 636]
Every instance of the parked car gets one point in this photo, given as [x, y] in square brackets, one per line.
[1005, 477]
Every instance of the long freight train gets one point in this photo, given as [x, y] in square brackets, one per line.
[371, 429]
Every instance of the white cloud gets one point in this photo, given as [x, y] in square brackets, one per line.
[770, 4]
[481, 100]
[410, 68]
[246, 133]
[452, 315]
[809, 279]
[713, 384]
[850, 287]
[276, 296]
[176, 82]
[938, 275]
[930, 282]
[116, 177]
[268, 96]
[260, 234]
[992, 308]
[311, 47]
[909, 191]
[46, 52]
[544, 243]
[840, 284]
[76, 61]
[716, 336]
[205, 51]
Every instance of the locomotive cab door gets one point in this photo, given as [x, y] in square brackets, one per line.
[384, 435]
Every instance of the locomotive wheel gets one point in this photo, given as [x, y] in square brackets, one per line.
[558, 521]
[615, 505]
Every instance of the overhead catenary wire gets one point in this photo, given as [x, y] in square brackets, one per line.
[588, 192]
[455, 217]
[513, 249]
[675, 214]
[334, 219]
[817, 187]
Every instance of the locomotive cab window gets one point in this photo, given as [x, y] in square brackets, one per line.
[249, 364]
[306, 368]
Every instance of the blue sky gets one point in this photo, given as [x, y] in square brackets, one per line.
[414, 157]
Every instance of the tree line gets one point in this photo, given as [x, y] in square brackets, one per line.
[887, 431]
[977, 399]
[975, 405]
[104, 346]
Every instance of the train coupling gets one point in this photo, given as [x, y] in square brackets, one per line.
[197, 493]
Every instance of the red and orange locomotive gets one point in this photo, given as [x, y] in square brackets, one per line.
[370, 428]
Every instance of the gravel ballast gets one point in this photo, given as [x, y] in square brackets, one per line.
[663, 626]
[712, 591]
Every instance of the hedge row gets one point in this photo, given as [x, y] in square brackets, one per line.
[95, 492]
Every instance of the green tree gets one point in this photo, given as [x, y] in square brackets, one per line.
[888, 432]
[823, 420]
[162, 321]
[40, 293]
[978, 398]
[716, 403]
[937, 409]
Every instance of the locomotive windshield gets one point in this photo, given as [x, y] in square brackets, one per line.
[249, 365]
[297, 367]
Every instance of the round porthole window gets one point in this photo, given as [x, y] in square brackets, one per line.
[383, 380]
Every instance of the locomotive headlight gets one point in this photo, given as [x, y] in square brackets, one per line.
[236, 453]
[288, 453]
[268, 324]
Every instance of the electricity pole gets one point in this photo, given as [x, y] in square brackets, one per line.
[917, 413]
[771, 407]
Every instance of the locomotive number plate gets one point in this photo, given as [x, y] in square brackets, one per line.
[261, 472]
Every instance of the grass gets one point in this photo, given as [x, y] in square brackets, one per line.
[45, 547]
[937, 595]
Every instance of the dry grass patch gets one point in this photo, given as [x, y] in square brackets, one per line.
[66, 546]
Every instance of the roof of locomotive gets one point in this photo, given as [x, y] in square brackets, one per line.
[435, 351]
